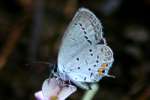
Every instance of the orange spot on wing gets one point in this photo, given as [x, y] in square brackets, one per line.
[104, 65]
[100, 71]
[102, 68]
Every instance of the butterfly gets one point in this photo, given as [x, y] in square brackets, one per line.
[84, 56]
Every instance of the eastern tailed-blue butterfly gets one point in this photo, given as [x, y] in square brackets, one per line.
[84, 56]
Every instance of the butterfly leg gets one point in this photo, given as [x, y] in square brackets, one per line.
[53, 71]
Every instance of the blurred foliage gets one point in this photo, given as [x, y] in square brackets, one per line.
[31, 30]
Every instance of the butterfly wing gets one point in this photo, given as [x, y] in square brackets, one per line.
[80, 54]
[90, 61]
[84, 30]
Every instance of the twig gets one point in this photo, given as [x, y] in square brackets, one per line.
[11, 41]
[91, 93]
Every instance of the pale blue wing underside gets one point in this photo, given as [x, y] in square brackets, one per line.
[90, 60]
[80, 55]
[75, 37]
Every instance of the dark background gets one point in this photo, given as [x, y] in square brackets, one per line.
[31, 30]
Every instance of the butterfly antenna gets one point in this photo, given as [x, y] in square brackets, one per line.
[39, 62]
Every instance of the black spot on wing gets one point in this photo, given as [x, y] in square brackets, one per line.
[91, 54]
[103, 71]
[91, 74]
[89, 42]
[80, 24]
[85, 32]
[84, 78]
[70, 69]
[77, 59]
[83, 28]
[86, 37]
[97, 57]
[86, 62]
[97, 61]
[90, 50]
[89, 69]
